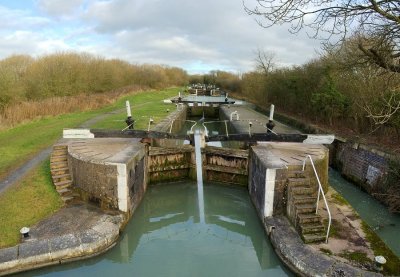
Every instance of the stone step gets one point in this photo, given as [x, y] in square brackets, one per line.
[312, 228]
[296, 174]
[60, 147]
[305, 208]
[303, 199]
[308, 218]
[58, 155]
[65, 192]
[62, 177]
[313, 238]
[58, 171]
[68, 199]
[58, 158]
[63, 184]
[299, 182]
[306, 191]
[57, 165]
[56, 152]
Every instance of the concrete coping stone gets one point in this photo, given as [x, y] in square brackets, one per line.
[301, 258]
[165, 124]
[36, 253]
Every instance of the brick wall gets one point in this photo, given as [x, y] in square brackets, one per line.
[363, 165]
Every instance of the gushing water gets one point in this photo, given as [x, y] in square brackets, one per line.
[199, 172]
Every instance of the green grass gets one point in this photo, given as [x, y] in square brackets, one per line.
[20, 143]
[143, 106]
[26, 203]
[34, 197]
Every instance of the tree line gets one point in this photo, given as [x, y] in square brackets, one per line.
[335, 90]
[24, 78]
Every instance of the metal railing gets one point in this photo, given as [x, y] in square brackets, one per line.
[217, 121]
[323, 195]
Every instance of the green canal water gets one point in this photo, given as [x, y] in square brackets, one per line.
[385, 224]
[166, 237]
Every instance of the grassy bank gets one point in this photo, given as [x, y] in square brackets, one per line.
[24, 204]
[34, 197]
[143, 106]
[22, 142]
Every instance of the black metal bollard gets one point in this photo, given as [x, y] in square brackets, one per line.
[130, 122]
[270, 126]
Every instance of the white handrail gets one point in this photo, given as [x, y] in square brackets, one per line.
[172, 123]
[319, 192]
[205, 129]
[192, 121]
[226, 128]
[127, 127]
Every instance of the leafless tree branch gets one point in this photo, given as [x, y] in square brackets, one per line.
[377, 20]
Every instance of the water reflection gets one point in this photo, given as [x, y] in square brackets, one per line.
[165, 238]
[231, 242]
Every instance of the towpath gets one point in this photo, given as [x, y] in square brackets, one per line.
[20, 172]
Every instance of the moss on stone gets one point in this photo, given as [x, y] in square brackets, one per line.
[356, 256]
[392, 266]
[338, 199]
[326, 251]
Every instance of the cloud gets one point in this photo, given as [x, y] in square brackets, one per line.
[195, 32]
[12, 19]
[24, 42]
[59, 8]
[195, 35]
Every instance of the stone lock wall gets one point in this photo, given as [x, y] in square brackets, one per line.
[363, 165]
[256, 184]
[109, 184]
[268, 179]
[136, 181]
[267, 186]
[173, 123]
[95, 182]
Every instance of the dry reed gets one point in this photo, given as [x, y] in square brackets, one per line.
[29, 110]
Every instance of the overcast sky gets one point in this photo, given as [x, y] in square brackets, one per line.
[197, 35]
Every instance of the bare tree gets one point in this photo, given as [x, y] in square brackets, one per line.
[264, 61]
[376, 22]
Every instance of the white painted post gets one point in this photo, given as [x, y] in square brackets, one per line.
[270, 175]
[122, 187]
[271, 112]
[128, 108]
